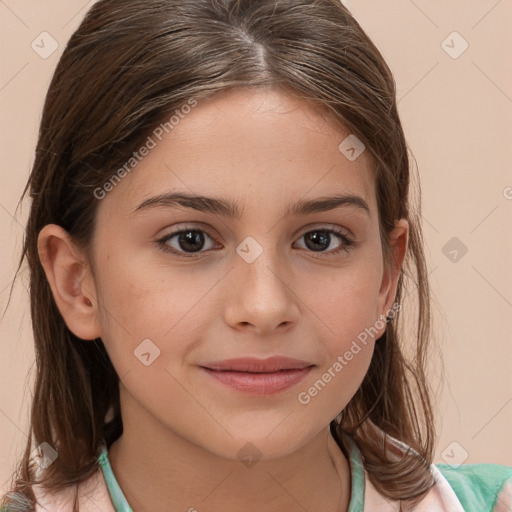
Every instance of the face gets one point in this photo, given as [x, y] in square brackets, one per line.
[273, 280]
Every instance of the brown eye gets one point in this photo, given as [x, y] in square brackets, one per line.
[190, 242]
[319, 240]
[185, 241]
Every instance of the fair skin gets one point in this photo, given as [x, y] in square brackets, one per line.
[183, 430]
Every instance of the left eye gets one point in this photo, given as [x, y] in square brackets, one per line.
[323, 237]
[192, 241]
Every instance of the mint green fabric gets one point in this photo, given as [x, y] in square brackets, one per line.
[118, 498]
[476, 485]
[356, 475]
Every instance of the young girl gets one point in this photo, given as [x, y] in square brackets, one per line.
[264, 367]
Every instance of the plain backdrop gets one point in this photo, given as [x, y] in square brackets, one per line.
[451, 64]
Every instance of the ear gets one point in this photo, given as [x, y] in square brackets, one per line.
[398, 240]
[71, 281]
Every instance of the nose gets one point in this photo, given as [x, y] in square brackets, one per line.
[260, 296]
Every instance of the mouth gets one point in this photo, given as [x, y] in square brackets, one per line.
[259, 377]
[255, 365]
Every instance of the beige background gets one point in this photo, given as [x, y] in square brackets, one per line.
[457, 115]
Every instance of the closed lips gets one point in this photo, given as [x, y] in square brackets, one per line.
[253, 365]
[258, 377]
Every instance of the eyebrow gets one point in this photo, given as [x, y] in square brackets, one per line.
[219, 206]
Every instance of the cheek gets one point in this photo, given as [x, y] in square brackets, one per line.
[146, 310]
[345, 301]
[345, 306]
[348, 313]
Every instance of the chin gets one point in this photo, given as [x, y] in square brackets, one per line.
[263, 443]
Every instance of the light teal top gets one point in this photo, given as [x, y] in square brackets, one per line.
[116, 494]
[478, 487]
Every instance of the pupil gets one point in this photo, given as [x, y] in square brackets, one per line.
[190, 241]
[322, 240]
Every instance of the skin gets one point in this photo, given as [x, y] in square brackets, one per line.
[183, 429]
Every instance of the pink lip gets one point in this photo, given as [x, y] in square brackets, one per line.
[265, 383]
[259, 376]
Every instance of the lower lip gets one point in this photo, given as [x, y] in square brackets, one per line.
[260, 383]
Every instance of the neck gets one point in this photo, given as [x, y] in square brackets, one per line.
[167, 472]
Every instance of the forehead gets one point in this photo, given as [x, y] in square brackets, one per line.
[259, 147]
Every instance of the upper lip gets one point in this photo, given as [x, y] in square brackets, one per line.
[255, 365]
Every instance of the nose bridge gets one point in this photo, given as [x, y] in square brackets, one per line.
[259, 266]
[260, 295]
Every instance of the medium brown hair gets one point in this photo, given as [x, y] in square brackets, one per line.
[128, 66]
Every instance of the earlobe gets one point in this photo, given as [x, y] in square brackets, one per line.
[72, 285]
[398, 241]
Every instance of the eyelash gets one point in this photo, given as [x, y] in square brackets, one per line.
[346, 246]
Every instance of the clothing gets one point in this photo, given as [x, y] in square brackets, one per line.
[466, 488]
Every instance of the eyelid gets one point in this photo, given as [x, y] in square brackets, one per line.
[198, 226]
[325, 225]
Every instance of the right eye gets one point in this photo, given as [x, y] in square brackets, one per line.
[188, 242]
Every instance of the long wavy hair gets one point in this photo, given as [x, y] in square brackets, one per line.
[129, 65]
